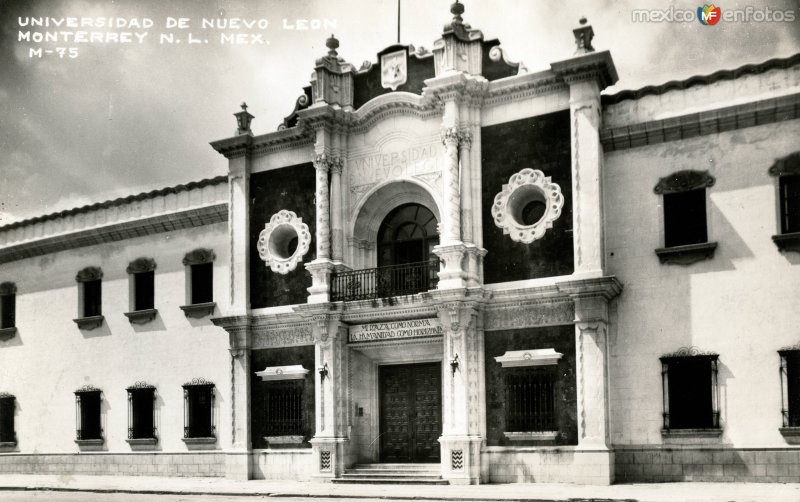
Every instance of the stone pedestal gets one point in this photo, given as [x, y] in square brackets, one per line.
[320, 270]
[452, 275]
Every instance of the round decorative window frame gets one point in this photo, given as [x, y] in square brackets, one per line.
[521, 189]
[282, 225]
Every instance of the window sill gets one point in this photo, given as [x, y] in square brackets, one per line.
[281, 440]
[141, 316]
[206, 440]
[90, 444]
[791, 434]
[688, 254]
[89, 323]
[691, 436]
[142, 441]
[7, 334]
[532, 436]
[787, 242]
[199, 310]
[8, 444]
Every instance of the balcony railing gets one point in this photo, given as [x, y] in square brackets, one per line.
[383, 282]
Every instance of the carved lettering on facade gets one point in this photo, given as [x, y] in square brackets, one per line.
[522, 316]
[375, 167]
[416, 328]
[283, 337]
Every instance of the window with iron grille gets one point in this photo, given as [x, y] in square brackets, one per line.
[789, 187]
[89, 281]
[8, 305]
[530, 399]
[202, 279]
[141, 411]
[198, 409]
[87, 414]
[7, 409]
[685, 218]
[689, 381]
[144, 290]
[790, 387]
[283, 408]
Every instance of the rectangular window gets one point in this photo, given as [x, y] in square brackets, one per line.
[92, 298]
[144, 290]
[530, 400]
[7, 408]
[790, 203]
[690, 390]
[790, 383]
[685, 218]
[88, 414]
[202, 283]
[141, 413]
[8, 310]
[198, 411]
[283, 408]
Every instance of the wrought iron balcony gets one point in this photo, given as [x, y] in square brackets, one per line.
[383, 282]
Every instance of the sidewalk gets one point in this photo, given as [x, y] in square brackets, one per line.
[662, 492]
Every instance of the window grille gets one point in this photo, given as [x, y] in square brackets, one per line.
[198, 409]
[202, 283]
[530, 400]
[8, 305]
[144, 290]
[87, 414]
[691, 396]
[790, 387]
[141, 411]
[790, 203]
[283, 408]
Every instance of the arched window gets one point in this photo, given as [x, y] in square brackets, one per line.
[407, 235]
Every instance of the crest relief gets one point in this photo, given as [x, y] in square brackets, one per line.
[394, 69]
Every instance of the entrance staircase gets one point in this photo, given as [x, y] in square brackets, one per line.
[396, 474]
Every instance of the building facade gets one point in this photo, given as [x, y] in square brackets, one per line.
[440, 259]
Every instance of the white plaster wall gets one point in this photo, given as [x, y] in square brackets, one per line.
[743, 304]
[50, 357]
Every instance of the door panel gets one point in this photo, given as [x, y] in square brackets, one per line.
[411, 413]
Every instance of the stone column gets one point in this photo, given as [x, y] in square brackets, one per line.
[451, 249]
[239, 234]
[591, 371]
[331, 438]
[337, 235]
[322, 267]
[587, 196]
[463, 428]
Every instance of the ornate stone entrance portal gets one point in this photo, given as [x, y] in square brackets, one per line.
[411, 412]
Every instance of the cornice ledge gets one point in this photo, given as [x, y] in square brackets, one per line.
[278, 321]
[454, 83]
[233, 321]
[321, 115]
[284, 137]
[594, 65]
[235, 146]
[523, 82]
[607, 287]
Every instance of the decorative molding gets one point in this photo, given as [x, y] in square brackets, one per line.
[88, 388]
[199, 310]
[141, 316]
[525, 314]
[274, 240]
[272, 373]
[89, 323]
[691, 433]
[692, 125]
[89, 274]
[532, 436]
[8, 288]
[195, 441]
[498, 54]
[394, 69]
[683, 181]
[141, 384]
[140, 265]
[7, 334]
[691, 351]
[524, 187]
[188, 218]
[537, 357]
[198, 382]
[199, 256]
[688, 254]
[283, 440]
[283, 337]
[786, 166]
[301, 103]
[787, 242]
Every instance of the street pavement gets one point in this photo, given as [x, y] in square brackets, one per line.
[15, 487]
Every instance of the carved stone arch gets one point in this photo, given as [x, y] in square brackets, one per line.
[140, 265]
[89, 274]
[8, 288]
[199, 256]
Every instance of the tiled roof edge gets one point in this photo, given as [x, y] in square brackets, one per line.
[118, 202]
[770, 64]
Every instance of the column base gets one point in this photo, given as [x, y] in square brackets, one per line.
[237, 466]
[320, 289]
[461, 459]
[329, 457]
[453, 275]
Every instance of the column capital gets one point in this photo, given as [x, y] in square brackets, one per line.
[450, 136]
[464, 138]
[322, 162]
[336, 164]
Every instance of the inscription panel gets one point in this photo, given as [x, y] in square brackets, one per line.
[282, 337]
[529, 315]
[394, 330]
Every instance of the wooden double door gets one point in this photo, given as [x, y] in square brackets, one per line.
[411, 413]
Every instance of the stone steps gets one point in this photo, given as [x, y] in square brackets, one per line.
[419, 474]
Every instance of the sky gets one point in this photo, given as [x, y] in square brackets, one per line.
[122, 118]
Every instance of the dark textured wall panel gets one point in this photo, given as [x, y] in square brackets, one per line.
[260, 359]
[560, 338]
[290, 188]
[541, 143]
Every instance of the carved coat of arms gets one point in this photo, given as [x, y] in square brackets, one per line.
[394, 70]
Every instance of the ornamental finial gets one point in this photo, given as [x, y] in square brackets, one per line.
[583, 37]
[332, 44]
[243, 120]
[456, 9]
